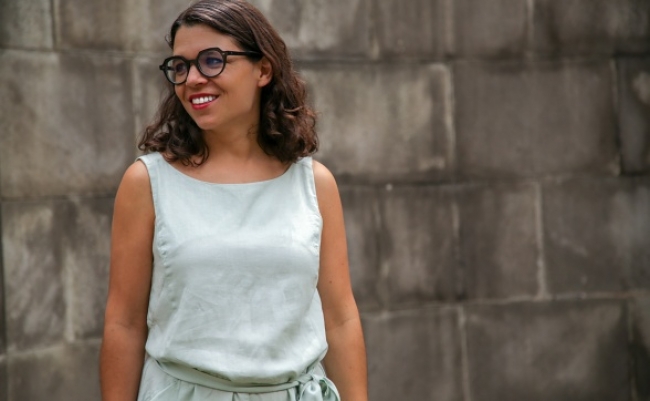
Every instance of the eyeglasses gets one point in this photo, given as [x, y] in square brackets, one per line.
[209, 62]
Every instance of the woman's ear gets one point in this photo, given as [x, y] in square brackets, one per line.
[266, 72]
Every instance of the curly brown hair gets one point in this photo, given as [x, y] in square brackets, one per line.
[287, 124]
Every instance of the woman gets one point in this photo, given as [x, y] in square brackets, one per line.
[229, 275]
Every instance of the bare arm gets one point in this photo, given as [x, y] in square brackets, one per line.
[345, 361]
[125, 324]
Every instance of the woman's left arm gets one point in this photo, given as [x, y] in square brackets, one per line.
[345, 361]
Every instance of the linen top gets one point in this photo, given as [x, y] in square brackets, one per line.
[235, 268]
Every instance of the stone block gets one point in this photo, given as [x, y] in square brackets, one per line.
[498, 240]
[3, 320]
[496, 28]
[115, 25]
[640, 346]
[634, 113]
[369, 126]
[68, 123]
[415, 28]
[4, 382]
[596, 234]
[588, 27]
[85, 255]
[26, 24]
[414, 355]
[361, 210]
[563, 351]
[418, 259]
[320, 28]
[522, 118]
[34, 295]
[65, 373]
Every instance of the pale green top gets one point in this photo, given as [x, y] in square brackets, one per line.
[234, 280]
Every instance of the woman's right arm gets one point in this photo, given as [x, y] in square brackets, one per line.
[125, 322]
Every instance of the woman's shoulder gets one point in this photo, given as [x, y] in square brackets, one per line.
[326, 188]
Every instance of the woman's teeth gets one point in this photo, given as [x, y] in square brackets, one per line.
[203, 99]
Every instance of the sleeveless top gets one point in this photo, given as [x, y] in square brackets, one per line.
[235, 268]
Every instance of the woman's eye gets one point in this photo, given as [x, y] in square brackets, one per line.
[213, 62]
[179, 68]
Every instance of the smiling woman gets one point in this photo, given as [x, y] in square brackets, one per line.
[229, 271]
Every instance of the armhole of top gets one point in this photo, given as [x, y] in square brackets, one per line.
[308, 162]
[150, 162]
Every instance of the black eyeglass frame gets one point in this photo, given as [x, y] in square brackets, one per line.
[188, 63]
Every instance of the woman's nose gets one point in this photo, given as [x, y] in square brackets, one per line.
[194, 76]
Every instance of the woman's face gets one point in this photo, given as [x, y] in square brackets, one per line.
[228, 102]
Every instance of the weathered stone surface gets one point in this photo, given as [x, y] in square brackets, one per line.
[26, 24]
[85, 253]
[521, 118]
[418, 245]
[640, 346]
[369, 127]
[564, 351]
[415, 28]
[65, 373]
[414, 355]
[596, 234]
[320, 28]
[33, 275]
[361, 210]
[498, 240]
[495, 28]
[591, 26]
[4, 382]
[74, 115]
[150, 88]
[3, 321]
[634, 113]
[123, 25]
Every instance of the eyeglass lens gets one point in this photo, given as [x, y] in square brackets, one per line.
[209, 62]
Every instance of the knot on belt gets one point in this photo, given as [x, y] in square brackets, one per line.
[315, 387]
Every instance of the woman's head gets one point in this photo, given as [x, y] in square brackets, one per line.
[286, 123]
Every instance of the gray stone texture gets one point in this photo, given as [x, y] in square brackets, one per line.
[115, 25]
[523, 119]
[640, 346]
[418, 355]
[496, 28]
[418, 257]
[56, 269]
[85, 252]
[63, 373]
[4, 382]
[564, 351]
[634, 115]
[26, 24]
[581, 27]
[498, 240]
[414, 28]
[361, 212]
[68, 123]
[373, 131]
[34, 292]
[596, 234]
[331, 29]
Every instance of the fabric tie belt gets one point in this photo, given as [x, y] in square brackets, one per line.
[309, 387]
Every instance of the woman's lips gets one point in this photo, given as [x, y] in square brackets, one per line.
[201, 101]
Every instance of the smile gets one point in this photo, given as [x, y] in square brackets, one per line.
[202, 99]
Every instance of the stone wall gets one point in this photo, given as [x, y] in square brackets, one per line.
[493, 158]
